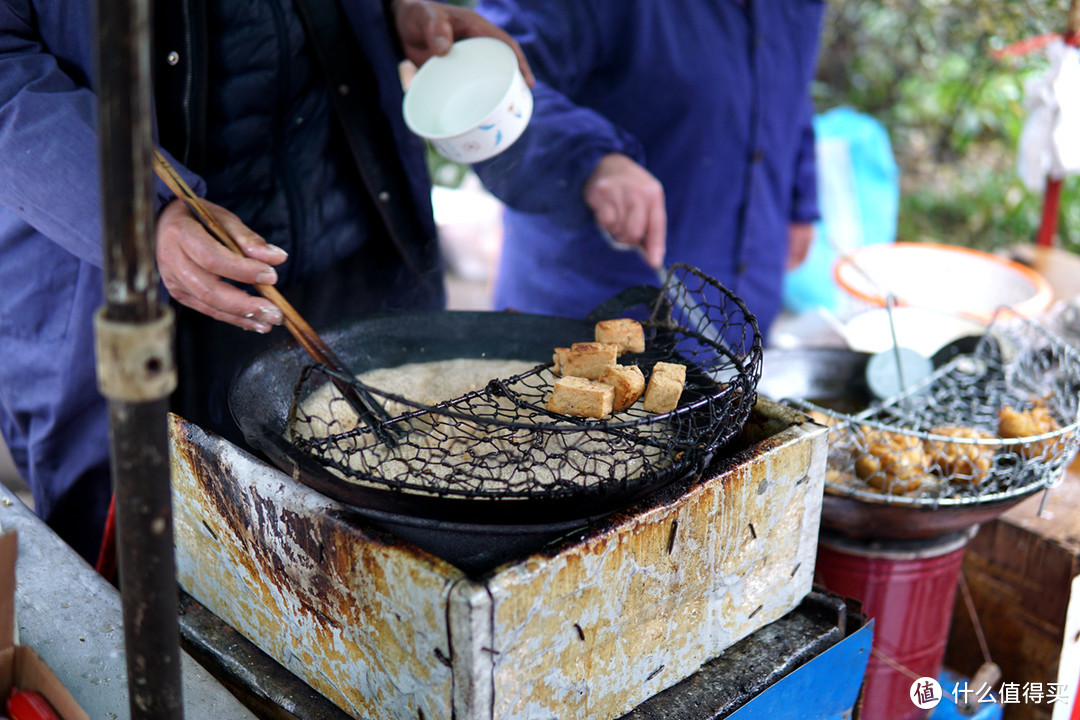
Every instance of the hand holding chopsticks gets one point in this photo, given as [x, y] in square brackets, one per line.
[369, 410]
[197, 269]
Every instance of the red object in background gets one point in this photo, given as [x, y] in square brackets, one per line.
[29, 705]
[1031, 44]
[1051, 210]
[908, 588]
[106, 561]
[1052, 198]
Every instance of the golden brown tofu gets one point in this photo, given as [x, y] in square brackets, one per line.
[581, 398]
[590, 359]
[559, 360]
[665, 387]
[629, 384]
[675, 370]
[624, 332]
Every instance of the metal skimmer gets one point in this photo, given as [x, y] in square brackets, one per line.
[501, 442]
[1016, 399]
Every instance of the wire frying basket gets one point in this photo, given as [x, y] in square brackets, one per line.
[499, 441]
[985, 427]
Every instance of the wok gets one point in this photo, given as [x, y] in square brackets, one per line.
[261, 395]
[835, 378]
[474, 534]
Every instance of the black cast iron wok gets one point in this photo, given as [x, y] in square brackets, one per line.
[472, 533]
[835, 378]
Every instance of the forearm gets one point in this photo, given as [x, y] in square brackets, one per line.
[545, 171]
[49, 149]
[48, 152]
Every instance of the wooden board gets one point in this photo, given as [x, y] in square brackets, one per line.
[1020, 569]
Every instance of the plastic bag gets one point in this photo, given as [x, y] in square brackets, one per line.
[1050, 139]
[859, 198]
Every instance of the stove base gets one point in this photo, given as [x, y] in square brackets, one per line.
[588, 627]
[808, 665]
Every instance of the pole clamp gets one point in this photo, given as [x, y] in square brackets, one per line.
[135, 360]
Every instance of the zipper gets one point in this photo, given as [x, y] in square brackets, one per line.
[189, 84]
[281, 165]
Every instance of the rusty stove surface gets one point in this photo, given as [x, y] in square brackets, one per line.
[588, 627]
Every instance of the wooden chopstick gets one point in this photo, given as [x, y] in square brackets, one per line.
[368, 409]
[294, 322]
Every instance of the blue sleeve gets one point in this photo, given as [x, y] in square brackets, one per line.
[546, 169]
[48, 144]
[804, 203]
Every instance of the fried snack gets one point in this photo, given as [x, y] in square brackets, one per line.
[665, 387]
[892, 462]
[961, 463]
[821, 418]
[590, 359]
[559, 360]
[1025, 423]
[624, 332]
[839, 482]
[629, 384]
[581, 398]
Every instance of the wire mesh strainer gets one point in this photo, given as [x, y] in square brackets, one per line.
[985, 427]
[500, 441]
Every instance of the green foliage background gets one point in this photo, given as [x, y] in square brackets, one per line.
[954, 114]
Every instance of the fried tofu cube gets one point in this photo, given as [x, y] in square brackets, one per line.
[581, 398]
[665, 387]
[624, 332]
[590, 359]
[675, 370]
[629, 384]
[559, 360]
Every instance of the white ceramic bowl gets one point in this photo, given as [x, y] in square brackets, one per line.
[920, 329]
[947, 278]
[471, 103]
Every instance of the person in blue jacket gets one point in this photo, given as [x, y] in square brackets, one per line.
[307, 162]
[681, 129]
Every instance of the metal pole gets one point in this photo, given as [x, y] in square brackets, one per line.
[135, 363]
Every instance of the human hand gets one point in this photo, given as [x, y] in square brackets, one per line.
[192, 264]
[629, 204]
[429, 28]
[800, 238]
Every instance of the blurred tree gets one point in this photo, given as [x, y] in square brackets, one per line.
[924, 69]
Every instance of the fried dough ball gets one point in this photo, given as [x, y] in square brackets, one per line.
[1025, 423]
[961, 463]
[835, 480]
[821, 418]
[892, 462]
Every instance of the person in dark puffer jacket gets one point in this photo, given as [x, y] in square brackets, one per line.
[308, 164]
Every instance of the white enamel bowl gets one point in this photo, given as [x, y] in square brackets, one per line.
[947, 278]
[921, 329]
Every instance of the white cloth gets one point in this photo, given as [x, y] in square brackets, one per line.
[1050, 139]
